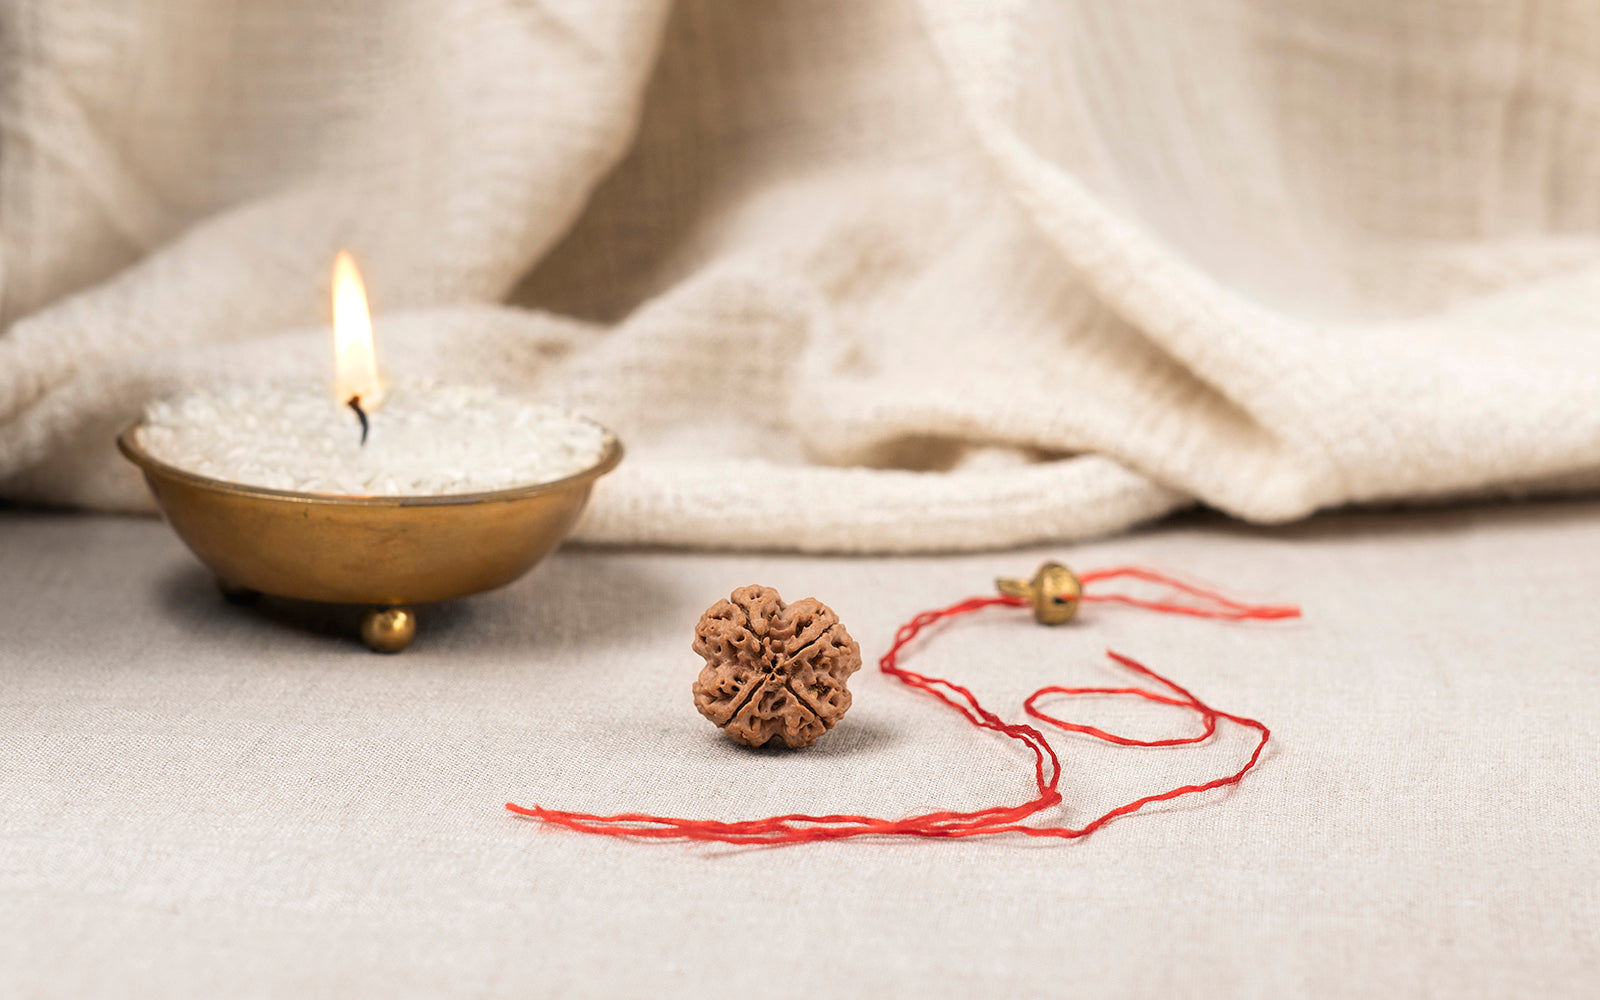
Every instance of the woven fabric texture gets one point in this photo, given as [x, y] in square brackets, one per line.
[845, 275]
[203, 800]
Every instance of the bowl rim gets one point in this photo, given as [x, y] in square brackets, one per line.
[134, 451]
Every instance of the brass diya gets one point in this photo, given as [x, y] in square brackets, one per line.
[386, 552]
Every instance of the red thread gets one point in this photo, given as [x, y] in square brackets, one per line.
[1216, 605]
[799, 828]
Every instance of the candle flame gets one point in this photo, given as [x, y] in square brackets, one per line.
[354, 355]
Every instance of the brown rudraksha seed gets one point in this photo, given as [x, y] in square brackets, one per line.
[773, 670]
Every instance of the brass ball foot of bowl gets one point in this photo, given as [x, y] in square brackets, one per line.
[388, 630]
[384, 553]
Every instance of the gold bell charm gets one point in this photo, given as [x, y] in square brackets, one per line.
[1054, 592]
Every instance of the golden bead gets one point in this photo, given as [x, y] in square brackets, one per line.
[388, 630]
[1054, 593]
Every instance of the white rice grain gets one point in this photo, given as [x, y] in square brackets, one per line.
[426, 440]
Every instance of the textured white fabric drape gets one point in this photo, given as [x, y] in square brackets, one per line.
[846, 275]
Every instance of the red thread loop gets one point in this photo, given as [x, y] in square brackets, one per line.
[798, 828]
[1213, 604]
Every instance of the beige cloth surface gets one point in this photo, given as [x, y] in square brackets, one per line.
[203, 800]
[846, 275]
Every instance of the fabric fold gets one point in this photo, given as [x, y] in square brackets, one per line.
[845, 276]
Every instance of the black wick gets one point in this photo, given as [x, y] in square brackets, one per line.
[354, 402]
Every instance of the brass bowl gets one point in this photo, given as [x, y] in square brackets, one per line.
[387, 552]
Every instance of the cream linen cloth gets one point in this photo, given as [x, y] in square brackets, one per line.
[198, 800]
[845, 274]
